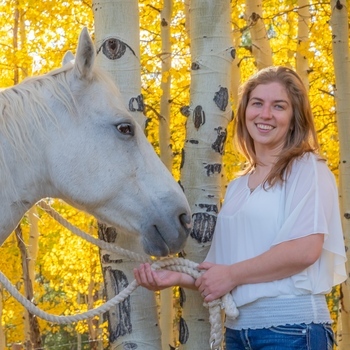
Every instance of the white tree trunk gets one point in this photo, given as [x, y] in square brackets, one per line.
[32, 251]
[236, 73]
[33, 242]
[302, 63]
[208, 116]
[166, 312]
[32, 330]
[164, 121]
[340, 35]
[134, 323]
[260, 44]
[117, 40]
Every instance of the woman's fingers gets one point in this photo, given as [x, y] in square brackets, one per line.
[146, 277]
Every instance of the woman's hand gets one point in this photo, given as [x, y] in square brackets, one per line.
[161, 279]
[215, 282]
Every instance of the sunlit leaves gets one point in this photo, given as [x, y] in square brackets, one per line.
[68, 272]
[66, 265]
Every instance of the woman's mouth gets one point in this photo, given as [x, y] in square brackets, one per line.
[264, 127]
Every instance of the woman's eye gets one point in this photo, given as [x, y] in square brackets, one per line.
[125, 128]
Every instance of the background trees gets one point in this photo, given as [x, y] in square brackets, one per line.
[33, 38]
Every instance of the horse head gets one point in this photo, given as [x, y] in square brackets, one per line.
[97, 158]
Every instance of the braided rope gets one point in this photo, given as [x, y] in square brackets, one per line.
[101, 244]
[174, 264]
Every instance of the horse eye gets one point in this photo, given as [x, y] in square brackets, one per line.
[125, 128]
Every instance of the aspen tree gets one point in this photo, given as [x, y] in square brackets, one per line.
[28, 254]
[260, 44]
[303, 45]
[340, 43]
[208, 116]
[166, 311]
[134, 322]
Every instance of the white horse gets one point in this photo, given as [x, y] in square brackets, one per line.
[68, 135]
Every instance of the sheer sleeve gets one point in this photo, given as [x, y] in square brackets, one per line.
[312, 206]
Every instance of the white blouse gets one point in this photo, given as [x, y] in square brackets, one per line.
[250, 223]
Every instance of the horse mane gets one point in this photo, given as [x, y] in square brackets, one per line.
[24, 99]
[17, 102]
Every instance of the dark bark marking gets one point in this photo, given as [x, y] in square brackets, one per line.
[185, 111]
[233, 53]
[221, 98]
[338, 5]
[120, 312]
[106, 260]
[129, 346]
[182, 158]
[213, 208]
[164, 23]
[183, 331]
[198, 117]
[107, 234]
[136, 104]
[219, 143]
[195, 66]
[255, 17]
[114, 48]
[194, 142]
[347, 216]
[213, 168]
[182, 298]
[203, 227]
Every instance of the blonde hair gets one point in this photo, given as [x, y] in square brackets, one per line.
[301, 137]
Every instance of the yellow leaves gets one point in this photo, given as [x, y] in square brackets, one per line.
[66, 265]
[65, 268]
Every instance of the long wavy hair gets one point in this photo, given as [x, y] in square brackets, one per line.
[301, 138]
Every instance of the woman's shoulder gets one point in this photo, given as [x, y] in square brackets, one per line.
[312, 162]
[313, 166]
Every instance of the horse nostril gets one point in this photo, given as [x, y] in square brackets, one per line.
[186, 221]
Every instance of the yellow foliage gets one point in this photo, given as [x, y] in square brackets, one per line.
[66, 264]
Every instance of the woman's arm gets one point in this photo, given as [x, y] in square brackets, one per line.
[161, 279]
[281, 261]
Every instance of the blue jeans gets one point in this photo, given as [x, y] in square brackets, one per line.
[291, 337]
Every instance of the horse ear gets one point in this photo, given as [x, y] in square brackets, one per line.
[85, 56]
[68, 57]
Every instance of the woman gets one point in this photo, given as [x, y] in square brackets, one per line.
[278, 243]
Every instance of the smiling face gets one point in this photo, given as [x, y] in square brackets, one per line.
[268, 117]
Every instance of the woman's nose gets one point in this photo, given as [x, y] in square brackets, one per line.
[265, 112]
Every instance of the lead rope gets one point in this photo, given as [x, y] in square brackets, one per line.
[174, 264]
